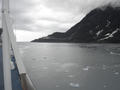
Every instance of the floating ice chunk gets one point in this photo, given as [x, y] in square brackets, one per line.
[75, 85]
[71, 76]
[105, 86]
[111, 53]
[69, 65]
[116, 65]
[57, 86]
[116, 73]
[114, 53]
[86, 68]
[45, 68]
[104, 67]
[66, 71]
[33, 58]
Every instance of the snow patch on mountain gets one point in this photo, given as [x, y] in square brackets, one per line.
[111, 35]
[107, 34]
[99, 32]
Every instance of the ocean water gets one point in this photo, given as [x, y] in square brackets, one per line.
[71, 66]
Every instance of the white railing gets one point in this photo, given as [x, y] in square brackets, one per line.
[6, 57]
[8, 41]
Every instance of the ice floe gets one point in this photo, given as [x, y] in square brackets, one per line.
[86, 68]
[71, 76]
[116, 73]
[75, 85]
[57, 85]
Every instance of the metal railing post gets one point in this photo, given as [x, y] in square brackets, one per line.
[6, 48]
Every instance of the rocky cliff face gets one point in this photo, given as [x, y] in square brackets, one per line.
[98, 26]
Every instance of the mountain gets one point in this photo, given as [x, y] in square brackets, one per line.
[101, 25]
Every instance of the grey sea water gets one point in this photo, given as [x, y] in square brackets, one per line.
[70, 66]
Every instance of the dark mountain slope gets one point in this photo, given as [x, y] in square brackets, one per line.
[100, 25]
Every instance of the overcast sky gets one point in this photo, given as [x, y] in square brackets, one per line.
[37, 18]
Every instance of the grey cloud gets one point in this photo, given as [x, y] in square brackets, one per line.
[72, 12]
[78, 5]
[55, 27]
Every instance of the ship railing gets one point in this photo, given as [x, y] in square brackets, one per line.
[8, 42]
